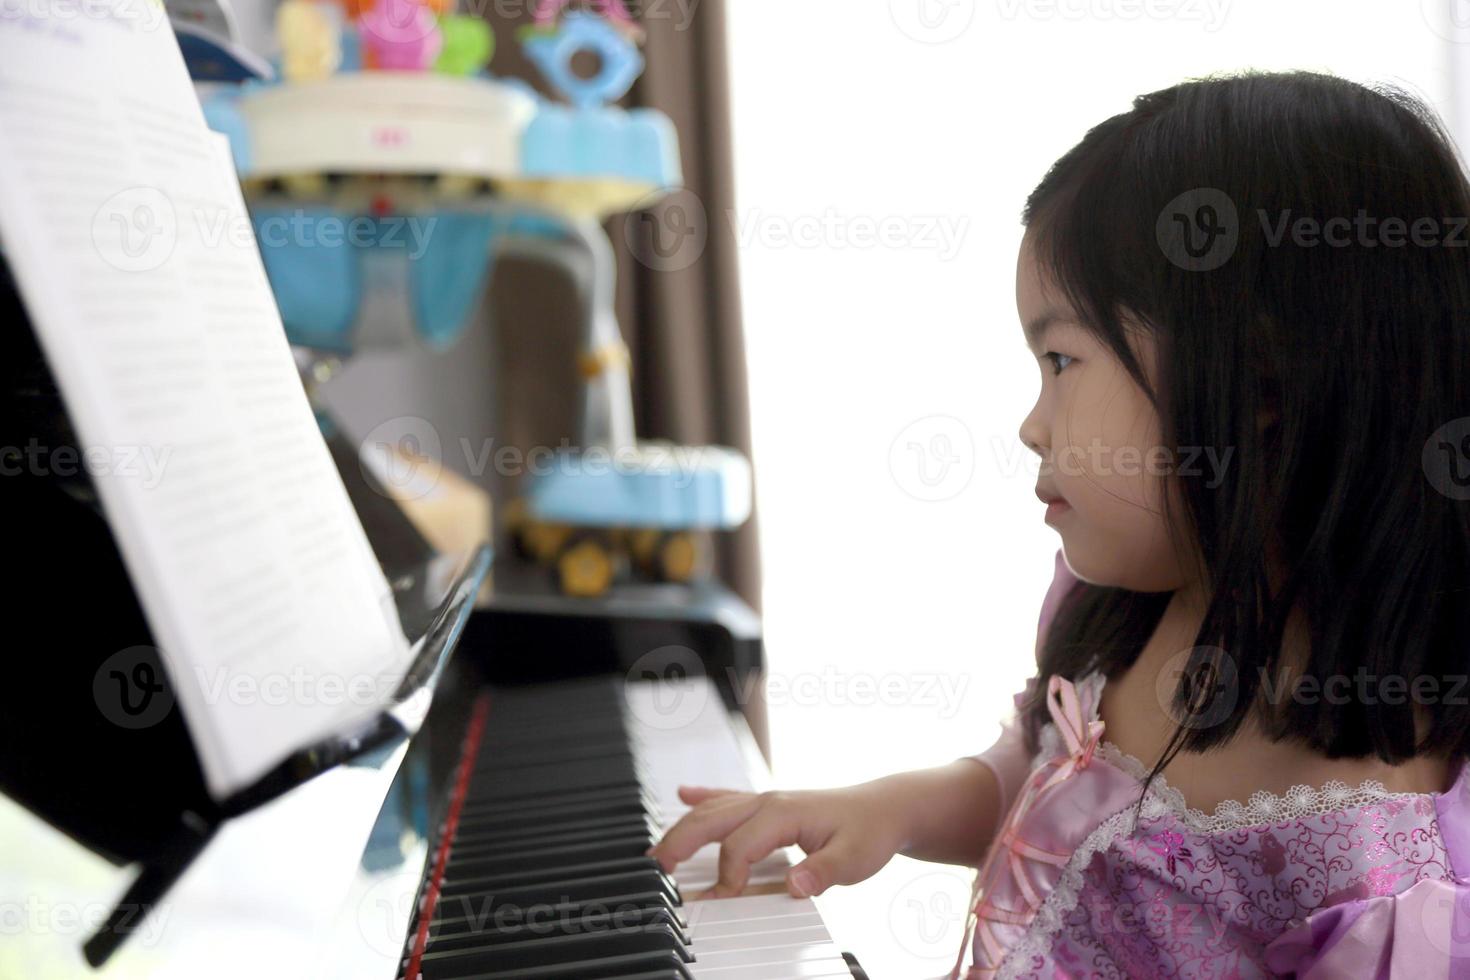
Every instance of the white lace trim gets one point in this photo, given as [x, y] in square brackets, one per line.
[1262, 807]
[1063, 898]
[1161, 800]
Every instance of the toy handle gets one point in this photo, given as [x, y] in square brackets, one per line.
[547, 11]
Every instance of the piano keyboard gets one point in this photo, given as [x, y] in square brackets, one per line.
[540, 871]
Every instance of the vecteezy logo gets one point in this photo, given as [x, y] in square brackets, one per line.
[933, 458]
[932, 21]
[927, 916]
[136, 230]
[668, 233]
[386, 908]
[1443, 920]
[403, 456]
[1210, 687]
[1449, 19]
[660, 688]
[1199, 229]
[130, 688]
[1446, 459]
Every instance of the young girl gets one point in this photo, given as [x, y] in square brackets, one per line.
[1249, 298]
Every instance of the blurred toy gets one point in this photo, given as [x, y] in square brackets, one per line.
[614, 504]
[400, 35]
[591, 158]
[385, 173]
[648, 510]
[370, 185]
[311, 39]
[619, 61]
[468, 45]
[614, 11]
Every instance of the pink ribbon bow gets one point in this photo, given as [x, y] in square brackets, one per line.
[1081, 731]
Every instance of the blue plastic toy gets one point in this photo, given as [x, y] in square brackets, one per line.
[382, 192]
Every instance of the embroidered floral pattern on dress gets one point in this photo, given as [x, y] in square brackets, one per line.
[1242, 889]
[1186, 893]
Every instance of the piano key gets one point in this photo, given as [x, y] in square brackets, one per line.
[487, 934]
[546, 876]
[580, 890]
[701, 750]
[639, 965]
[549, 950]
[457, 919]
[510, 804]
[762, 937]
[601, 848]
[557, 814]
[492, 842]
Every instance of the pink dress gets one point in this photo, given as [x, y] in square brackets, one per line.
[1335, 881]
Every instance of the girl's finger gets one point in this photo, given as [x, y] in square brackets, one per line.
[695, 795]
[752, 841]
[834, 864]
[703, 826]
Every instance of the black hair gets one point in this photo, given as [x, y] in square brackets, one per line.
[1355, 351]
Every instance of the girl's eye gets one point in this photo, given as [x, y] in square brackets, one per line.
[1057, 361]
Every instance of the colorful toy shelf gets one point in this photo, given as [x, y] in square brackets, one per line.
[657, 485]
[385, 170]
[381, 113]
[385, 123]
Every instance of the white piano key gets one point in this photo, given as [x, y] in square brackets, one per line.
[776, 938]
[683, 735]
[703, 869]
[749, 907]
[824, 962]
[761, 935]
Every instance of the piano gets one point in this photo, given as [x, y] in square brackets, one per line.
[505, 839]
[492, 825]
[538, 868]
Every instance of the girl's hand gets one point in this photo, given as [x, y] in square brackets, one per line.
[848, 834]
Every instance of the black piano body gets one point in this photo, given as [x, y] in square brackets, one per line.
[339, 864]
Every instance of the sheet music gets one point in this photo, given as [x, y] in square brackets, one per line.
[123, 223]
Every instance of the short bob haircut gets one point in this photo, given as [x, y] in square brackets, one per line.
[1335, 368]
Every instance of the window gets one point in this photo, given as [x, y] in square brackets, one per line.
[883, 152]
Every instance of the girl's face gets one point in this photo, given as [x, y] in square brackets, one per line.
[1098, 438]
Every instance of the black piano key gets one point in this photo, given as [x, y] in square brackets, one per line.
[664, 965]
[576, 773]
[493, 842]
[567, 796]
[592, 888]
[492, 832]
[497, 744]
[599, 742]
[546, 874]
[546, 791]
[468, 865]
[609, 745]
[469, 918]
[546, 877]
[590, 918]
[557, 813]
[551, 950]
